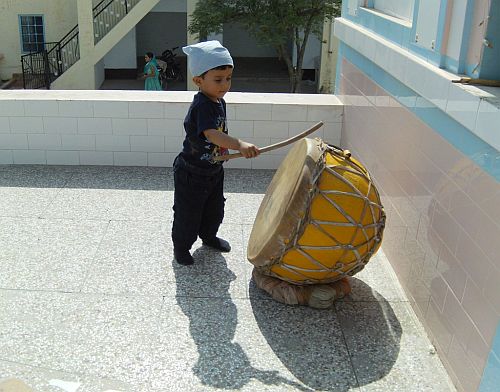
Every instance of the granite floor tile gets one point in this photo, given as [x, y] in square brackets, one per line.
[42, 254]
[35, 176]
[91, 298]
[97, 336]
[26, 202]
[388, 350]
[49, 380]
[106, 204]
[238, 345]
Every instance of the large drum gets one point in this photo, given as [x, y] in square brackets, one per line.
[320, 220]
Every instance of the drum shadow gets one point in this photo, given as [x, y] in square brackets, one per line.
[203, 296]
[351, 345]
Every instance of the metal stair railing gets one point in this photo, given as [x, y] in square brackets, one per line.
[108, 13]
[41, 68]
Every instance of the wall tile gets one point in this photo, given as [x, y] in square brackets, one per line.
[44, 142]
[441, 330]
[13, 142]
[473, 260]
[6, 157]
[239, 164]
[63, 158]
[95, 126]
[452, 272]
[4, 125]
[30, 157]
[272, 129]
[41, 108]
[487, 236]
[176, 110]
[166, 127]
[445, 227]
[130, 126]
[459, 320]
[492, 288]
[325, 113]
[487, 128]
[289, 113]
[146, 110]
[481, 312]
[173, 144]
[253, 112]
[462, 106]
[332, 133]
[11, 108]
[468, 377]
[78, 142]
[60, 125]
[477, 350]
[161, 159]
[243, 129]
[296, 127]
[26, 125]
[439, 289]
[147, 143]
[130, 158]
[267, 161]
[76, 109]
[110, 109]
[96, 158]
[112, 143]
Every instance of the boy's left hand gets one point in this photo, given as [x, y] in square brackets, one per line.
[248, 150]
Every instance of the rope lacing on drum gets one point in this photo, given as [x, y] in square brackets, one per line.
[368, 207]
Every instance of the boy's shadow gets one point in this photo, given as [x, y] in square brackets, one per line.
[204, 297]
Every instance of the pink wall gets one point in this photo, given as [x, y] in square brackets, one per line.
[442, 235]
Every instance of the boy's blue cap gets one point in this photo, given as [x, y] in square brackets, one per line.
[204, 56]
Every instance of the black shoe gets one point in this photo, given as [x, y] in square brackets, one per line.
[218, 243]
[183, 257]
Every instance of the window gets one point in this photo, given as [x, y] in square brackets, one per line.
[402, 9]
[32, 33]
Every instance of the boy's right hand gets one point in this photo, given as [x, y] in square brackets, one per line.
[248, 150]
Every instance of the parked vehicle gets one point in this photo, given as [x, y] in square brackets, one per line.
[162, 73]
[173, 70]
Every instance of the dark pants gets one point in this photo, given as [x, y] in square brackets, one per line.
[198, 204]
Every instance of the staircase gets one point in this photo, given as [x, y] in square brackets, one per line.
[112, 20]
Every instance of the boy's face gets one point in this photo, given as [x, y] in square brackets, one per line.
[215, 83]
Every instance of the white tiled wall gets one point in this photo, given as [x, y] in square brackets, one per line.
[475, 107]
[141, 129]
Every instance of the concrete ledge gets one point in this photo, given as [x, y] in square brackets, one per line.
[142, 128]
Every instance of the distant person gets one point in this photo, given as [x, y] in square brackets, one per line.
[151, 75]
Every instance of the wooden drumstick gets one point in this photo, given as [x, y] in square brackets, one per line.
[274, 146]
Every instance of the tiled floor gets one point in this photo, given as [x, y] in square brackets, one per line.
[90, 299]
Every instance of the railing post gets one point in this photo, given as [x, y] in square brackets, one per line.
[46, 69]
[24, 75]
[126, 7]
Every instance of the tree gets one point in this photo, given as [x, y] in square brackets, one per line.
[272, 22]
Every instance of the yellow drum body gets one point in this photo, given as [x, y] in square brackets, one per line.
[320, 220]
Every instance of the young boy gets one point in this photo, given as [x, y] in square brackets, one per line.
[198, 179]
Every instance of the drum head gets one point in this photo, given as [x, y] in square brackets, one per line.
[285, 201]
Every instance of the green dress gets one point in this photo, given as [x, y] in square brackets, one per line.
[152, 83]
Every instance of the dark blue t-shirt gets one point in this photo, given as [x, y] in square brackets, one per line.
[203, 114]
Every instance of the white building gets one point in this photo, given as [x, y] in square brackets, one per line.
[433, 147]
[84, 45]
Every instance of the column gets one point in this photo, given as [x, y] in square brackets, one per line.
[329, 49]
[191, 39]
[86, 43]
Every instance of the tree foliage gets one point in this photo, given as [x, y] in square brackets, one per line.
[277, 23]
